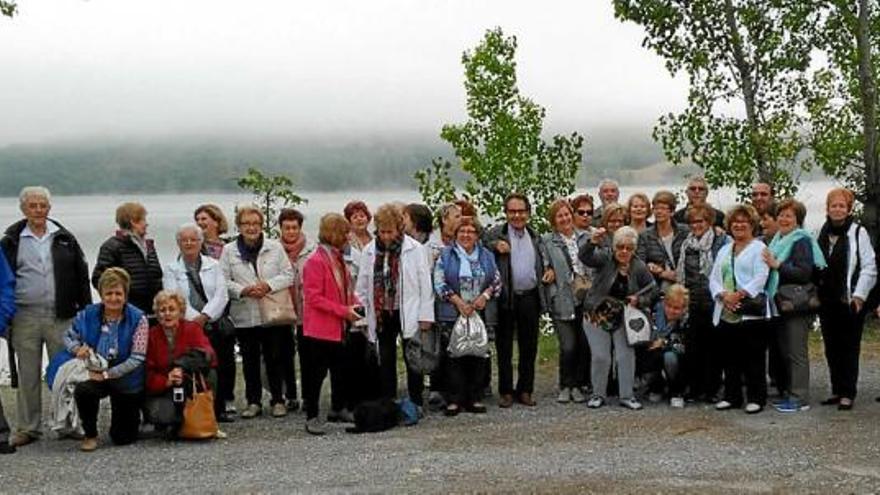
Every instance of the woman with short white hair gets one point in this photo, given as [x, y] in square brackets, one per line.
[619, 278]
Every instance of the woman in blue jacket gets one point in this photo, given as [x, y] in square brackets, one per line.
[7, 310]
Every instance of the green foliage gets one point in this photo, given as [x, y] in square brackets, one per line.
[271, 193]
[499, 147]
[750, 54]
[8, 8]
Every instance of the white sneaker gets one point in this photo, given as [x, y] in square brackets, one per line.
[676, 402]
[595, 402]
[753, 408]
[564, 396]
[631, 403]
[723, 405]
[230, 407]
[577, 396]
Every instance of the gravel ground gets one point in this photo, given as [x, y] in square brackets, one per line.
[552, 448]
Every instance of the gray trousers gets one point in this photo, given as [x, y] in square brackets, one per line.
[793, 340]
[601, 342]
[30, 330]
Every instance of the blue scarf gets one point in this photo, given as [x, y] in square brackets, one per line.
[781, 247]
[464, 267]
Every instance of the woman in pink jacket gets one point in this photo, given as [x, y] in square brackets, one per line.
[329, 305]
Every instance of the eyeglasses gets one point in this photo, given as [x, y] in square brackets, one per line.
[697, 188]
[585, 213]
[517, 212]
[625, 247]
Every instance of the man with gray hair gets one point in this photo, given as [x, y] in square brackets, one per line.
[609, 192]
[697, 193]
[51, 286]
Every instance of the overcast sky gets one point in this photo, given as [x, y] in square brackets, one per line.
[120, 68]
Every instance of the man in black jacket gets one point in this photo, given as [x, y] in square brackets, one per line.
[51, 286]
[517, 254]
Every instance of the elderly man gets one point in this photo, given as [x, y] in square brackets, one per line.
[518, 256]
[7, 311]
[697, 191]
[51, 285]
[609, 192]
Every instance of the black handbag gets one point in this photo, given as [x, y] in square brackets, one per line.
[797, 298]
[748, 305]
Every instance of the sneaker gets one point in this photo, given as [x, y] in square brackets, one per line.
[753, 408]
[631, 404]
[340, 416]
[577, 396]
[790, 406]
[595, 402]
[89, 444]
[315, 427]
[279, 410]
[230, 407]
[221, 435]
[655, 397]
[564, 396]
[723, 405]
[677, 402]
[252, 411]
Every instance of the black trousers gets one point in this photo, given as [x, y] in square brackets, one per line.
[745, 355]
[415, 382]
[360, 370]
[4, 426]
[465, 380]
[520, 320]
[702, 361]
[124, 409]
[224, 346]
[842, 332]
[261, 344]
[288, 363]
[319, 357]
[440, 375]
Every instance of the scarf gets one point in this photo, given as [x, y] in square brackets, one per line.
[340, 273]
[702, 245]
[249, 253]
[834, 283]
[294, 248]
[781, 247]
[386, 274]
[466, 260]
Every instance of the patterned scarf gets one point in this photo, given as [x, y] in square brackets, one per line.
[386, 274]
[702, 245]
[248, 252]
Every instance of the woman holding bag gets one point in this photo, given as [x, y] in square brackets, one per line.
[465, 279]
[565, 282]
[793, 256]
[258, 274]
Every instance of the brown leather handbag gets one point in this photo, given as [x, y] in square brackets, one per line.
[199, 422]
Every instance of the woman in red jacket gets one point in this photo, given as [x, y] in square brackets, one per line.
[328, 307]
[176, 350]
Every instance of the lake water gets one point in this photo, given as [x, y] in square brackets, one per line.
[91, 218]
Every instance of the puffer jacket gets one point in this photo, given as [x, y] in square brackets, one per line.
[145, 271]
[650, 248]
[698, 285]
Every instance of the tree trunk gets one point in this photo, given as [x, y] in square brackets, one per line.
[868, 89]
[748, 87]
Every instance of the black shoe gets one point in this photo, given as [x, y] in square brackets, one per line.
[5, 448]
[831, 401]
[452, 410]
[845, 404]
[292, 405]
[225, 418]
[476, 408]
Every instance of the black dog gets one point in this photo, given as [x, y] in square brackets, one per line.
[375, 415]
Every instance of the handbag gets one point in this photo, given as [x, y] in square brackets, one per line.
[580, 285]
[224, 324]
[276, 308]
[199, 421]
[637, 325]
[748, 305]
[797, 298]
[422, 351]
[469, 337]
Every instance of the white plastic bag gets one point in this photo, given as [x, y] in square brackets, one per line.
[469, 337]
[637, 325]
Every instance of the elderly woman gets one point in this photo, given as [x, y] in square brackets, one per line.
[638, 210]
[418, 222]
[329, 307]
[213, 223]
[695, 260]
[582, 206]
[130, 250]
[659, 245]
[255, 266]
[843, 289]
[564, 284]
[359, 217]
[619, 278]
[118, 332]
[465, 280]
[298, 249]
[177, 351]
[793, 256]
[394, 284]
[737, 283]
[199, 278]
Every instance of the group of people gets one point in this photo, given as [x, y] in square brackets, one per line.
[725, 294]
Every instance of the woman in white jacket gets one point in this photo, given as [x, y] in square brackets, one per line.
[394, 284]
[200, 280]
[255, 266]
[843, 288]
[739, 275]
